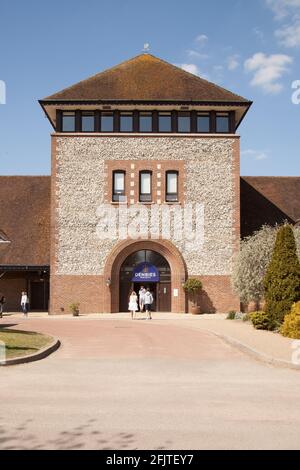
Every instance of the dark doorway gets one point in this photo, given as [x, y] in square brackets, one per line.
[161, 290]
[39, 294]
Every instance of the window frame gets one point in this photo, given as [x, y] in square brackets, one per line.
[62, 120]
[116, 196]
[224, 114]
[88, 114]
[168, 194]
[132, 120]
[143, 196]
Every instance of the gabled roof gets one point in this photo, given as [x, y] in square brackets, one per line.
[268, 200]
[146, 78]
[25, 220]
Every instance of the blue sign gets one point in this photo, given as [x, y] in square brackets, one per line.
[145, 272]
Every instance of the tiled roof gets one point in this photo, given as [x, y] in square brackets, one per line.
[25, 220]
[146, 78]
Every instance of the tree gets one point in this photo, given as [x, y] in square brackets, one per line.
[282, 280]
[251, 264]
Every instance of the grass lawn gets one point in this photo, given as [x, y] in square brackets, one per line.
[22, 343]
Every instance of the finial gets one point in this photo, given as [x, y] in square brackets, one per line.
[146, 47]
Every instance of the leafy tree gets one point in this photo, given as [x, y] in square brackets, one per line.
[282, 280]
[251, 264]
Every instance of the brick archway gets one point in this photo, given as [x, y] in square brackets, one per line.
[125, 248]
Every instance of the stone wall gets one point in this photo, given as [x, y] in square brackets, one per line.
[211, 175]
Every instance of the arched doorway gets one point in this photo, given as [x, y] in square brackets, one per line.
[122, 250]
[151, 270]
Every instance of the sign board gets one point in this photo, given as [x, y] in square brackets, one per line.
[175, 292]
[145, 272]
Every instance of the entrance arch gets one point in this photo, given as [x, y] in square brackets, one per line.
[126, 248]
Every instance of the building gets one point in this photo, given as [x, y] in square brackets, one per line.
[144, 136]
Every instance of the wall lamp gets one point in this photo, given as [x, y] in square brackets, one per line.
[108, 282]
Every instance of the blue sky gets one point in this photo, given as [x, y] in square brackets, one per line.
[251, 48]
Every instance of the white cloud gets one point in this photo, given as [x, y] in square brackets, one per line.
[196, 55]
[268, 70]
[289, 34]
[233, 62]
[191, 68]
[255, 154]
[201, 39]
[258, 33]
[283, 8]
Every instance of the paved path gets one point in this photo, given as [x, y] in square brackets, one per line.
[123, 384]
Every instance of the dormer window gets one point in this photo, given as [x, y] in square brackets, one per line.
[68, 121]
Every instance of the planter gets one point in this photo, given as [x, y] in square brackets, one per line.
[195, 310]
[75, 313]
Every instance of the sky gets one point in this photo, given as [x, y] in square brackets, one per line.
[251, 48]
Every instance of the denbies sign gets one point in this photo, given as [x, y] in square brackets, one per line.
[145, 272]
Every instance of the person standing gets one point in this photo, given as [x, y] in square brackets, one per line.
[133, 304]
[148, 302]
[142, 292]
[25, 303]
[2, 302]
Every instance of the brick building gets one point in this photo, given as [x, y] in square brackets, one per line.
[145, 136]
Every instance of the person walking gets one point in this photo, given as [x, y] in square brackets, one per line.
[148, 302]
[133, 304]
[25, 303]
[2, 302]
[142, 292]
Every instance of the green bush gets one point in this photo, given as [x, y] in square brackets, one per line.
[282, 280]
[262, 321]
[247, 317]
[291, 324]
[231, 315]
[193, 286]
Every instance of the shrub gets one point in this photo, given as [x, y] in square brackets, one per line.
[291, 325]
[282, 280]
[193, 286]
[262, 321]
[74, 308]
[247, 317]
[231, 315]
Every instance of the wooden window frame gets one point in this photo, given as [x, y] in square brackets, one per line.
[143, 197]
[115, 196]
[167, 194]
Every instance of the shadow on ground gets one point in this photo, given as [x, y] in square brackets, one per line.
[86, 436]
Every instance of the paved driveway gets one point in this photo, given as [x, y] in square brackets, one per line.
[145, 385]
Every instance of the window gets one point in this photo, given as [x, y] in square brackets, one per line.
[68, 121]
[126, 122]
[145, 122]
[145, 186]
[107, 122]
[184, 122]
[222, 124]
[203, 123]
[164, 122]
[87, 122]
[119, 186]
[172, 186]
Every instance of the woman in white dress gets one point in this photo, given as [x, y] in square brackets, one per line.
[133, 304]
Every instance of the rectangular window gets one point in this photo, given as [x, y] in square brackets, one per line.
[145, 123]
[184, 122]
[164, 122]
[145, 186]
[203, 123]
[172, 186]
[222, 124]
[107, 122]
[87, 122]
[126, 122]
[68, 121]
[119, 186]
